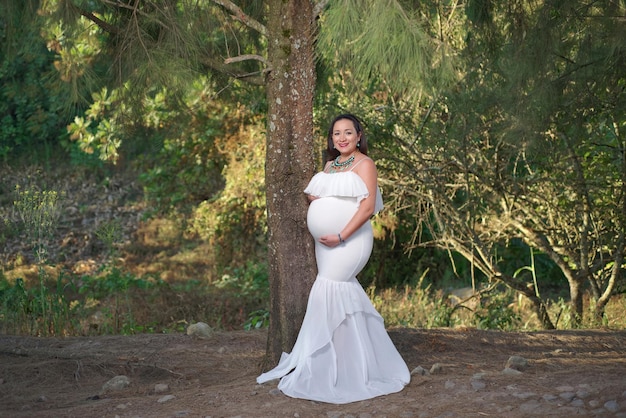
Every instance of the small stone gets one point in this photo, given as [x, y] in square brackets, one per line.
[117, 383]
[594, 403]
[449, 384]
[571, 411]
[275, 392]
[477, 384]
[524, 395]
[161, 387]
[166, 398]
[436, 368]
[42, 398]
[511, 372]
[568, 396]
[550, 398]
[611, 406]
[504, 409]
[516, 363]
[200, 330]
[578, 402]
[564, 388]
[419, 370]
[530, 406]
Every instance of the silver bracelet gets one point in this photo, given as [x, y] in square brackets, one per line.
[341, 240]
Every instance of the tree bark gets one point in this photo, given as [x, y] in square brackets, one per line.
[289, 166]
[576, 300]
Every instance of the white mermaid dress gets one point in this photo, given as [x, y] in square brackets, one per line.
[343, 352]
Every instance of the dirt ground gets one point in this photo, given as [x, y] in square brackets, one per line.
[50, 377]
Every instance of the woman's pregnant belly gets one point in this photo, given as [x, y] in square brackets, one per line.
[328, 215]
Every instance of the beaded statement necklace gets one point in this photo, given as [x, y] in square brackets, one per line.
[336, 166]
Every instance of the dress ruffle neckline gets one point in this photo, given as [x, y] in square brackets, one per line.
[344, 184]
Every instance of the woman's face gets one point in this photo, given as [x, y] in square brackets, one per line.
[345, 137]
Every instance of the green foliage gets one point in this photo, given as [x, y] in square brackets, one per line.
[187, 168]
[257, 319]
[42, 310]
[563, 316]
[114, 281]
[497, 314]
[99, 131]
[532, 267]
[114, 123]
[396, 41]
[249, 280]
[32, 118]
[118, 286]
[39, 212]
[234, 221]
[110, 233]
[414, 305]
[110, 303]
[441, 316]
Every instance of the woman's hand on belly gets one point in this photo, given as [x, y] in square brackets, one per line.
[330, 240]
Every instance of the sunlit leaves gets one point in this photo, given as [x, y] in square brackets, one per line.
[99, 131]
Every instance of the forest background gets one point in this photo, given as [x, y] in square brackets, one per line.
[133, 190]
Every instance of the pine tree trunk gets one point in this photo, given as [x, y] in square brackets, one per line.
[289, 167]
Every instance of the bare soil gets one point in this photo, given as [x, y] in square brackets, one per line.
[53, 377]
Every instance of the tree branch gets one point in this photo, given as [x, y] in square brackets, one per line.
[239, 15]
[107, 27]
[256, 78]
[245, 58]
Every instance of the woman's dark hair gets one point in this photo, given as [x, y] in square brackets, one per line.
[333, 153]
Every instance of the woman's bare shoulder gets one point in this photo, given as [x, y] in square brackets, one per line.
[364, 163]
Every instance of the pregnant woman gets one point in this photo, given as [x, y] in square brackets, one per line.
[343, 352]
